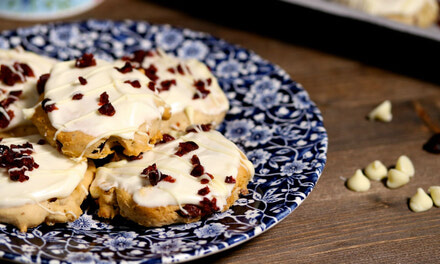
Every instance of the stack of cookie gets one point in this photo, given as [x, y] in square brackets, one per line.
[146, 119]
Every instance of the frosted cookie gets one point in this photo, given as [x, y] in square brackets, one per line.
[422, 13]
[179, 181]
[38, 184]
[90, 106]
[19, 74]
[188, 86]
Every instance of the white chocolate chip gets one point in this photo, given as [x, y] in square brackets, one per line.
[382, 112]
[358, 182]
[420, 201]
[405, 165]
[396, 179]
[435, 194]
[376, 171]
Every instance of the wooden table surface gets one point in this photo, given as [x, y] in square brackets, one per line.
[347, 68]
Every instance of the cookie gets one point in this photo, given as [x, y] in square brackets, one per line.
[40, 185]
[19, 74]
[179, 181]
[187, 85]
[90, 106]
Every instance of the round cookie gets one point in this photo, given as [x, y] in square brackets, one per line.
[179, 181]
[187, 85]
[19, 74]
[89, 106]
[38, 184]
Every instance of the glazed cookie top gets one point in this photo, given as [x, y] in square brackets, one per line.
[199, 167]
[32, 171]
[186, 85]
[99, 99]
[19, 74]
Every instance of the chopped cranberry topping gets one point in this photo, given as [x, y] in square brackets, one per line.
[229, 179]
[41, 83]
[138, 56]
[166, 85]
[86, 60]
[8, 77]
[186, 147]
[171, 70]
[192, 211]
[197, 128]
[202, 92]
[155, 176]
[48, 107]
[82, 80]
[77, 96]
[135, 83]
[152, 86]
[210, 175]
[208, 206]
[165, 139]
[103, 99]
[197, 171]
[41, 142]
[204, 181]
[150, 72]
[24, 69]
[203, 191]
[15, 93]
[17, 160]
[126, 68]
[107, 109]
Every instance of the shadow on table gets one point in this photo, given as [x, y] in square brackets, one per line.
[371, 44]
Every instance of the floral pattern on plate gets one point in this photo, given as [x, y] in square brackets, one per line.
[271, 119]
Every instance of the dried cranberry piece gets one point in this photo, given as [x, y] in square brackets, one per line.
[150, 72]
[4, 121]
[155, 176]
[41, 83]
[107, 109]
[186, 147]
[25, 69]
[82, 80]
[152, 86]
[41, 142]
[210, 175]
[171, 70]
[204, 181]
[138, 56]
[180, 69]
[77, 96]
[135, 83]
[208, 206]
[433, 144]
[103, 99]
[16, 93]
[197, 171]
[165, 139]
[8, 77]
[229, 179]
[166, 85]
[86, 60]
[138, 157]
[195, 160]
[197, 128]
[204, 191]
[7, 102]
[126, 68]
[48, 107]
[192, 211]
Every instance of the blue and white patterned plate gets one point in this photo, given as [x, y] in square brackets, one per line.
[271, 118]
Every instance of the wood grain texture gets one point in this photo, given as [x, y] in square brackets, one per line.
[333, 225]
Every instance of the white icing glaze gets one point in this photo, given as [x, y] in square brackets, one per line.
[179, 96]
[133, 106]
[219, 157]
[389, 7]
[39, 65]
[56, 177]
